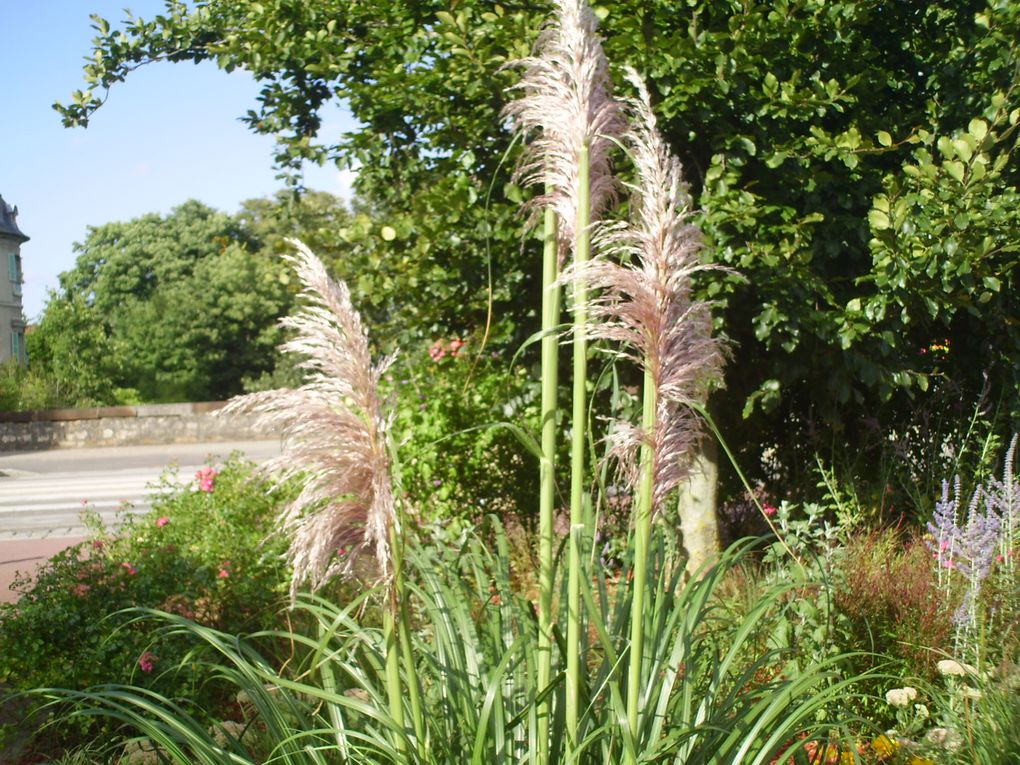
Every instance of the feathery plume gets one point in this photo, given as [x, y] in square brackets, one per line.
[567, 104]
[646, 303]
[334, 432]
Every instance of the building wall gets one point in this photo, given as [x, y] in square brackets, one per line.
[12, 319]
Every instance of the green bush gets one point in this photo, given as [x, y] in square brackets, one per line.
[457, 463]
[198, 553]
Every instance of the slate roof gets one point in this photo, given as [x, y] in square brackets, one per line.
[9, 222]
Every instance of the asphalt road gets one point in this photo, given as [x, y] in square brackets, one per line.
[42, 493]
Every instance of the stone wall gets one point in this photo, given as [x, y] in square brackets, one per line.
[122, 426]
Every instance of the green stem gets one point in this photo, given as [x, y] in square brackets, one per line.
[406, 650]
[392, 647]
[547, 477]
[582, 246]
[642, 536]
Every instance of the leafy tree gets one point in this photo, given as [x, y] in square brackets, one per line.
[72, 361]
[855, 161]
[124, 261]
[176, 307]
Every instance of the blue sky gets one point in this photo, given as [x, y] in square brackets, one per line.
[167, 134]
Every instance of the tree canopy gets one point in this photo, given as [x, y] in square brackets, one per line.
[855, 163]
[168, 308]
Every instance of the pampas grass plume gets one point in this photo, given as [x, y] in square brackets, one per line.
[643, 273]
[566, 103]
[334, 431]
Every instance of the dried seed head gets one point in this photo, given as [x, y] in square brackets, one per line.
[334, 431]
[566, 102]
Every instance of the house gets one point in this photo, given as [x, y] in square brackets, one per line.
[12, 317]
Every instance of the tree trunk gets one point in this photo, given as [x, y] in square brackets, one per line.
[698, 497]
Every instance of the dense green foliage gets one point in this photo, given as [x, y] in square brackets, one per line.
[460, 460]
[855, 162]
[184, 302]
[169, 308]
[72, 362]
[197, 553]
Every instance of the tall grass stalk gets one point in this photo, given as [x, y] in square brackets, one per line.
[642, 536]
[645, 303]
[566, 102]
[578, 446]
[336, 444]
[547, 501]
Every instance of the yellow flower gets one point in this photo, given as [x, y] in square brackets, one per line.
[915, 760]
[885, 746]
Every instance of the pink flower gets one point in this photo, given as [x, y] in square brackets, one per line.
[147, 661]
[81, 590]
[224, 569]
[769, 510]
[162, 521]
[206, 477]
[455, 345]
[436, 352]
[130, 569]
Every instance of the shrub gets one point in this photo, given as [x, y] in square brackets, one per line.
[891, 594]
[198, 553]
[457, 464]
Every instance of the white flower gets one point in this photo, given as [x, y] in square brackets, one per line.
[921, 711]
[970, 693]
[901, 697]
[946, 738]
[951, 668]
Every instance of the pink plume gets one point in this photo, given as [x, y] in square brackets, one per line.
[567, 104]
[334, 432]
[645, 303]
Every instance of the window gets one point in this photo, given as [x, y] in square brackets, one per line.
[18, 351]
[14, 271]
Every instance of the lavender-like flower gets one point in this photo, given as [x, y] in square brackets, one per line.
[1005, 496]
[944, 529]
[972, 544]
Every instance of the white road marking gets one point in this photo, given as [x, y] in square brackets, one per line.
[50, 504]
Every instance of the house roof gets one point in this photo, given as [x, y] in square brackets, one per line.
[9, 222]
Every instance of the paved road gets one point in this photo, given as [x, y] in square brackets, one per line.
[42, 493]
